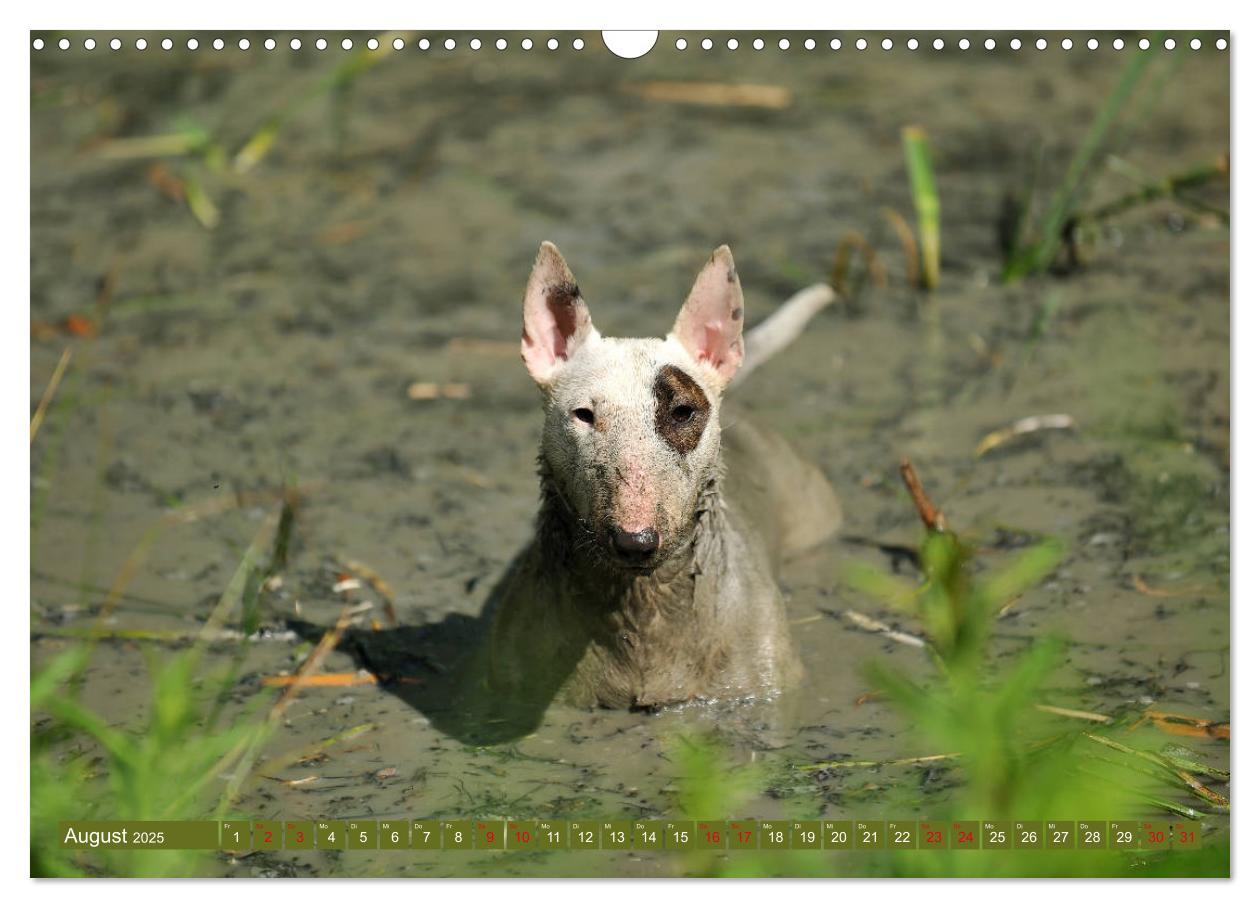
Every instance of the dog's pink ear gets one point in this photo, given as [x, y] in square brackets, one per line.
[556, 319]
[711, 323]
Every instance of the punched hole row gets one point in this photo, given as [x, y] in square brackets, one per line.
[706, 44]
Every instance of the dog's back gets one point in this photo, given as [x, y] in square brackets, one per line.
[787, 498]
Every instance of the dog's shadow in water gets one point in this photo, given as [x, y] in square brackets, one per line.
[441, 670]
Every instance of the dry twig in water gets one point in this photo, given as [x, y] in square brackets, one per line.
[909, 245]
[1074, 713]
[1187, 726]
[863, 764]
[377, 582]
[429, 390]
[933, 518]
[840, 271]
[1025, 426]
[875, 626]
[714, 94]
[40, 411]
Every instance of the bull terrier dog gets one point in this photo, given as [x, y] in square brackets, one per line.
[650, 579]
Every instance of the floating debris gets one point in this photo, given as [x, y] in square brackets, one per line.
[374, 580]
[866, 764]
[1074, 713]
[875, 626]
[360, 678]
[1025, 426]
[49, 392]
[1146, 590]
[428, 390]
[345, 583]
[1188, 726]
[714, 94]
[293, 783]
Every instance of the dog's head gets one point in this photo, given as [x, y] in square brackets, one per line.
[631, 437]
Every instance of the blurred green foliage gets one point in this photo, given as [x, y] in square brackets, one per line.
[1017, 762]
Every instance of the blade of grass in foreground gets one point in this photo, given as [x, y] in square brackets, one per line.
[927, 204]
[1038, 257]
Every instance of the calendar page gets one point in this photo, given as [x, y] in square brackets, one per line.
[564, 453]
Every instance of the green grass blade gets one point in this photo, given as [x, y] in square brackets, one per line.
[927, 204]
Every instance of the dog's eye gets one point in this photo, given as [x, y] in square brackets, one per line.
[682, 413]
[584, 415]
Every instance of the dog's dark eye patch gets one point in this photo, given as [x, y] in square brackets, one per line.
[682, 410]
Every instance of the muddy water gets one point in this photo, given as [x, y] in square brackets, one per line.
[385, 239]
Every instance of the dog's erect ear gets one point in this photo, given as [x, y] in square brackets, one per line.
[556, 319]
[710, 325]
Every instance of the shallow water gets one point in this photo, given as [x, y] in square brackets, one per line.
[385, 239]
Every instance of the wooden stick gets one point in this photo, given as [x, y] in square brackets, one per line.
[38, 419]
[932, 517]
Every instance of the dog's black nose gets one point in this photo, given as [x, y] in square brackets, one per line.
[639, 544]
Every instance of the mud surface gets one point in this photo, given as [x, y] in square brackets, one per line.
[385, 239]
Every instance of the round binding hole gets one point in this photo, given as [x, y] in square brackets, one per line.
[346, 44]
[1195, 43]
[243, 44]
[860, 44]
[115, 44]
[989, 44]
[475, 44]
[1170, 44]
[270, 44]
[1117, 44]
[784, 44]
[398, 43]
[1144, 44]
[527, 44]
[758, 44]
[835, 44]
[886, 44]
[1041, 44]
[373, 44]
[681, 44]
[449, 43]
[630, 44]
[219, 45]
[552, 44]
[810, 43]
[732, 44]
[1016, 44]
[913, 44]
[89, 44]
[423, 44]
[1221, 44]
[295, 44]
[964, 43]
[167, 44]
[1066, 44]
[578, 44]
[38, 43]
[707, 44]
[500, 44]
[64, 43]
[938, 44]
[192, 44]
[1092, 44]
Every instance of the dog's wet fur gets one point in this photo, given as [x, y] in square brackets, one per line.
[651, 576]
